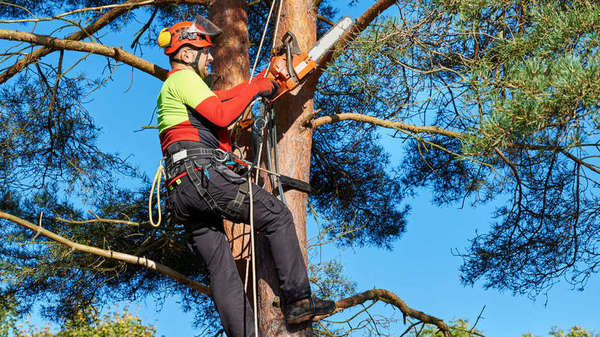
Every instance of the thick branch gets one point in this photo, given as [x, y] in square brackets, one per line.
[102, 21]
[96, 48]
[384, 123]
[360, 24]
[142, 261]
[389, 298]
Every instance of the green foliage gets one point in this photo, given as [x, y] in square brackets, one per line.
[575, 331]
[84, 324]
[8, 321]
[329, 281]
[51, 167]
[511, 87]
[458, 328]
[541, 79]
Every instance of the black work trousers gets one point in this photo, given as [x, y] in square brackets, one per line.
[208, 239]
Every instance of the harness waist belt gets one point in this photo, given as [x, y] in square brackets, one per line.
[195, 153]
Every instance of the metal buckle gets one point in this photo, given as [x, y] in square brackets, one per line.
[220, 156]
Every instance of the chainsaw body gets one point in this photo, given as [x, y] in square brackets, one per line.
[289, 66]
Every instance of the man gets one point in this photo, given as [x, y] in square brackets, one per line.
[193, 123]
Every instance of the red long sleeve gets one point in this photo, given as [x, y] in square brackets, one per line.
[228, 105]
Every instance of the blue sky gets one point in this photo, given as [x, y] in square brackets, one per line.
[420, 268]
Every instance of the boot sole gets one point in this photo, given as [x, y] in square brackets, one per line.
[300, 319]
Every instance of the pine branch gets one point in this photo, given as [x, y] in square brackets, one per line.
[416, 129]
[384, 123]
[79, 10]
[389, 298]
[102, 21]
[95, 48]
[360, 24]
[109, 254]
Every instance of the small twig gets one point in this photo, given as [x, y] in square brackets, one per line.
[98, 219]
[146, 26]
[477, 320]
[58, 76]
[80, 10]
[412, 325]
[326, 20]
[39, 227]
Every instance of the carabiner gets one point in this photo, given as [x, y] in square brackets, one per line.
[220, 156]
[259, 125]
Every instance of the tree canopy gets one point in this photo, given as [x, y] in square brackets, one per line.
[491, 102]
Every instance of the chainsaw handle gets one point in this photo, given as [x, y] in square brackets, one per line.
[291, 43]
[278, 72]
[290, 64]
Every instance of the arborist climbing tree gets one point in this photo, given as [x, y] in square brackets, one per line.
[203, 190]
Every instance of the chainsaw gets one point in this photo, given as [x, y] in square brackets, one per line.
[289, 66]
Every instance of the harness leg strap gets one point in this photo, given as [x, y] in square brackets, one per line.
[235, 206]
[197, 181]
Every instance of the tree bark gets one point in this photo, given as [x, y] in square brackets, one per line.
[294, 148]
[231, 67]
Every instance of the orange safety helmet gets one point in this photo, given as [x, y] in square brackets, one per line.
[197, 34]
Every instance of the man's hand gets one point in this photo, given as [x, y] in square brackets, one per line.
[265, 87]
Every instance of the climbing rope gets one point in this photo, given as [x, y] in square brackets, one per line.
[160, 173]
[254, 297]
[257, 161]
[262, 40]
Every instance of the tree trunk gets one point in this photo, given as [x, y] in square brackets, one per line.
[294, 148]
[231, 66]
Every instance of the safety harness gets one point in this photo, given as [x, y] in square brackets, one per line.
[195, 163]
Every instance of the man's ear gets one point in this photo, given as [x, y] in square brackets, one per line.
[182, 52]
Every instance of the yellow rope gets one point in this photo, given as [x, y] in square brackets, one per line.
[160, 173]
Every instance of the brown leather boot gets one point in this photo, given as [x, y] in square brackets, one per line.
[305, 309]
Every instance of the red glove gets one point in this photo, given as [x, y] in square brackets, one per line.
[264, 87]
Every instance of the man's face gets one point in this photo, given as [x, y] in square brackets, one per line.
[204, 60]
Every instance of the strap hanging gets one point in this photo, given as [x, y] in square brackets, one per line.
[160, 174]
